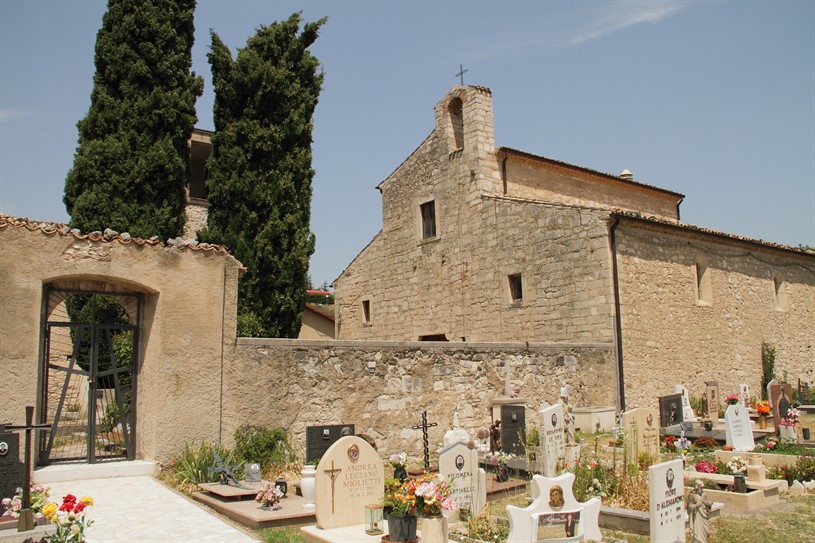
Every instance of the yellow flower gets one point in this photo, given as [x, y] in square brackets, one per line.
[49, 510]
[87, 500]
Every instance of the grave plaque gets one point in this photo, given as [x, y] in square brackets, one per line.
[252, 473]
[320, 438]
[513, 428]
[670, 410]
[459, 464]
[666, 492]
[553, 447]
[712, 397]
[11, 469]
[641, 428]
[737, 430]
[781, 401]
[349, 477]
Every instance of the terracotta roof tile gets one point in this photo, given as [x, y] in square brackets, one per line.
[703, 230]
[109, 236]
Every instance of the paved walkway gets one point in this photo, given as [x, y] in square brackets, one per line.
[132, 509]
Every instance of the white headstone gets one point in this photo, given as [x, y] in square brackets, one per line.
[666, 490]
[552, 442]
[641, 427]
[459, 463]
[687, 410]
[350, 476]
[554, 499]
[737, 429]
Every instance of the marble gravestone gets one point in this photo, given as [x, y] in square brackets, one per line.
[737, 430]
[459, 464]
[12, 471]
[670, 410]
[350, 476]
[712, 397]
[553, 448]
[666, 494]
[320, 438]
[780, 400]
[687, 410]
[641, 427]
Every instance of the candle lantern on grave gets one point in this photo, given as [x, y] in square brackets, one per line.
[282, 486]
[374, 513]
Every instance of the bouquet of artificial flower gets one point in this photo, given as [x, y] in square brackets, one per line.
[763, 407]
[433, 496]
[398, 460]
[737, 464]
[269, 496]
[69, 519]
[732, 399]
[39, 497]
[705, 466]
[499, 457]
[792, 418]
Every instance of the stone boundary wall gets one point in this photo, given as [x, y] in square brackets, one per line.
[382, 387]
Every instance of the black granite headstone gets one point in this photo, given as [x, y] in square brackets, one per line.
[320, 438]
[12, 471]
[670, 410]
[513, 428]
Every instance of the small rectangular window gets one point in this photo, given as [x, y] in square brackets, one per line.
[366, 311]
[516, 290]
[428, 219]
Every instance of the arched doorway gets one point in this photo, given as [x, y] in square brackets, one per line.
[88, 384]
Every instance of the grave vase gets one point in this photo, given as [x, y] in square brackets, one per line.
[308, 485]
[400, 473]
[762, 421]
[434, 529]
[502, 473]
[401, 529]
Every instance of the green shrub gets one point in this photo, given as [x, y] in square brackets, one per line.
[193, 464]
[266, 446]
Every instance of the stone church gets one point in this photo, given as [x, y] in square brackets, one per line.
[490, 244]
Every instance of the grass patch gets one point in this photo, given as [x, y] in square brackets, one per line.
[286, 534]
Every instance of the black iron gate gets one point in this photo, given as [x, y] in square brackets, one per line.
[88, 391]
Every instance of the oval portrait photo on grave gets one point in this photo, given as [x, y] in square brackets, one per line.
[556, 497]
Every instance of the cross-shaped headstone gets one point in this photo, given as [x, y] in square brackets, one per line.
[26, 520]
[333, 472]
[424, 426]
[461, 73]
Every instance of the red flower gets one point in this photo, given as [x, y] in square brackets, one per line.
[79, 507]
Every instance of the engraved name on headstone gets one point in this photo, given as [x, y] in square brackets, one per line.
[666, 490]
[553, 448]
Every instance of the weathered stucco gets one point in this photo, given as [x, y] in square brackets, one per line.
[189, 308]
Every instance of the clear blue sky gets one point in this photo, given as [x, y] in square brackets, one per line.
[715, 100]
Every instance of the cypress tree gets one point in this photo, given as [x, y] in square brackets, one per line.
[132, 162]
[259, 173]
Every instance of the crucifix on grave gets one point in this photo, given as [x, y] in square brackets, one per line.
[461, 73]
[424, 426]
[332, 473]
[26, 520]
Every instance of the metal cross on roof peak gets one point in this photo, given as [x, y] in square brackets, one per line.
[461, 73]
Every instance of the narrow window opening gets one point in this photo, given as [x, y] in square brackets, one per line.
[516, 290]
[454, 109]
[780, 289]
[366, 311]
[428, 219]
[704, 290]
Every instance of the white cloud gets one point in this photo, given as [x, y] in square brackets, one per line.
[6, 114]
[621, 15]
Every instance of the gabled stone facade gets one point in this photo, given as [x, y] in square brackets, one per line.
[486, 244]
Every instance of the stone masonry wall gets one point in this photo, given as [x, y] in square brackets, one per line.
[543, 180]
[670, 338]
[382, 388]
